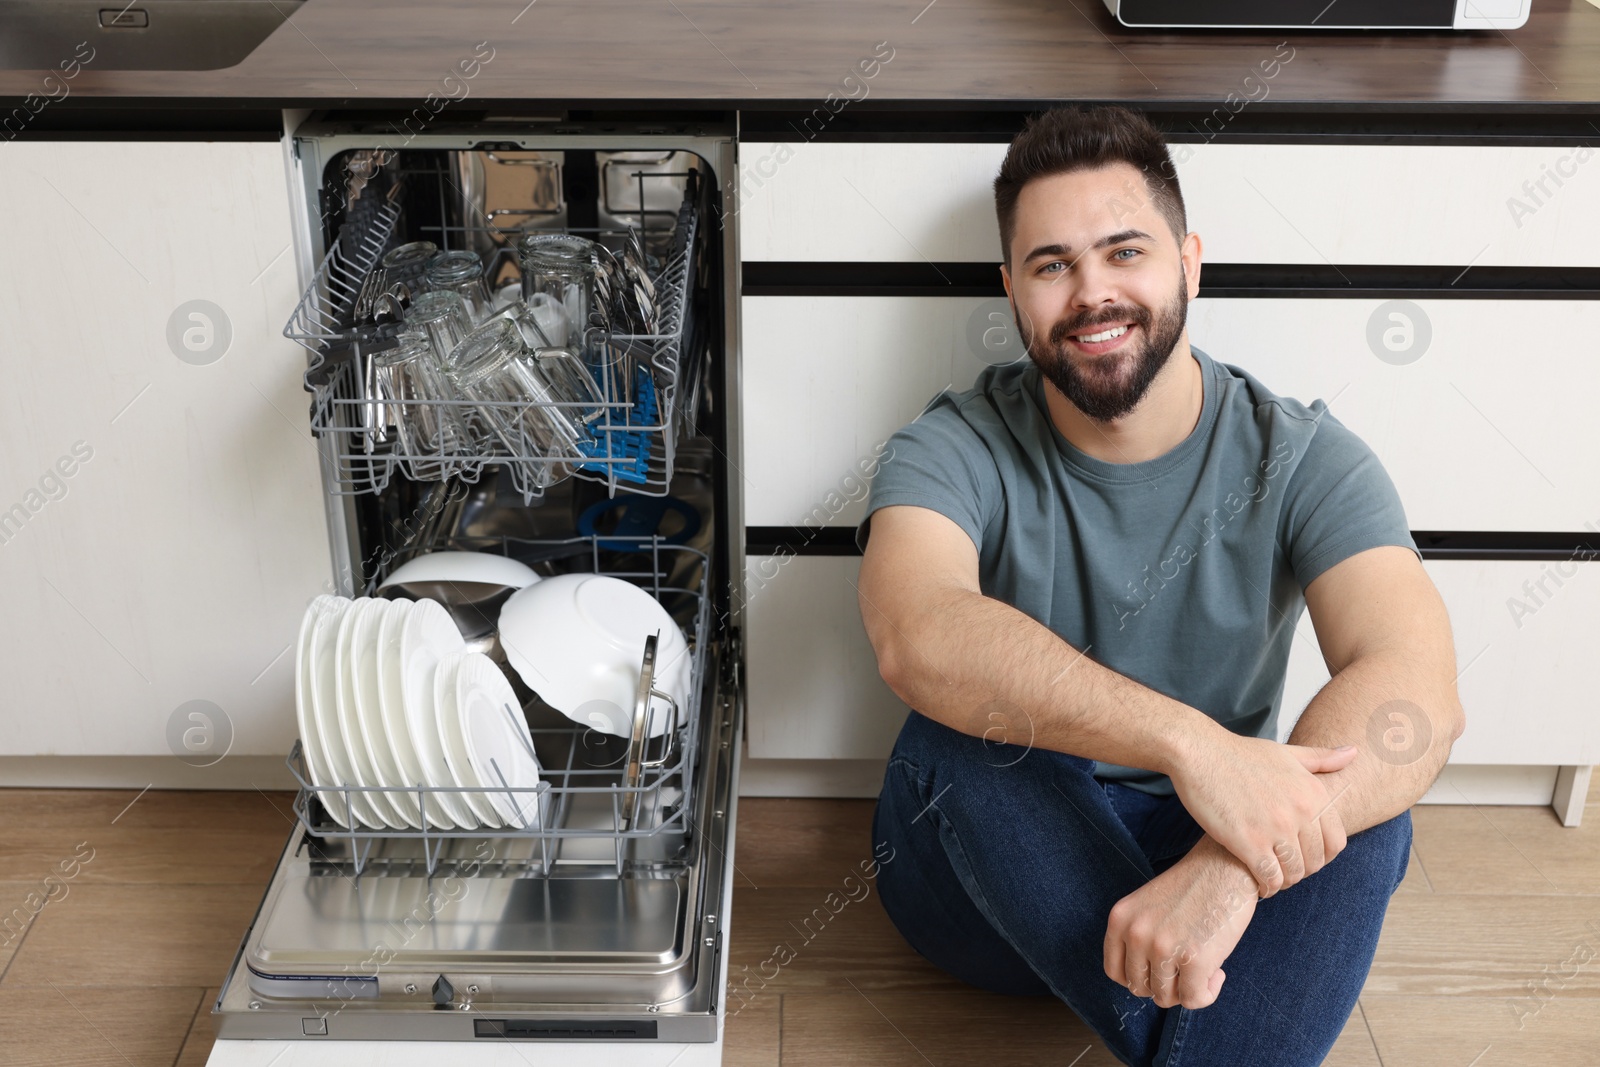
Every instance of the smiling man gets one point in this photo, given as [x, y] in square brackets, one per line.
[1084, 574]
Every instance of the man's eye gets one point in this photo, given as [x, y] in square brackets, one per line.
[1119, 252]
[1049, 268]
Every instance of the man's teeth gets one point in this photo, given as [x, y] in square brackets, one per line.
[1095, 338]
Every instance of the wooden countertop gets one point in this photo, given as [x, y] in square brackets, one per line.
[736, 54]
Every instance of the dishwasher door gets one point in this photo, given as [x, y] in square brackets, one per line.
[489, 938]
[477, 952]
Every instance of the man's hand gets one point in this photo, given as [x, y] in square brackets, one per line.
[1167, 940]
[1264, 802]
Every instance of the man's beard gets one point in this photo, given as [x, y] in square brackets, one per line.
[1102, 394]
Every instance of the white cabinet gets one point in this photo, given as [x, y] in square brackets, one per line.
[1483, 431]
[1250, 203]
[172, 563]
[1473, 438]
[821, 400]
[1527, 674]
[812, 685]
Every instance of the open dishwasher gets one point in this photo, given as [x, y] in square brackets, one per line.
[605, 918]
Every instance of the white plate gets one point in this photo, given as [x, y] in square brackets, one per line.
[578, 641]
[429, 634]
[325, 701]
[457, 757]
[375, 732]
[355, 628]
[499, 747]
[392, 710]
[305, 710]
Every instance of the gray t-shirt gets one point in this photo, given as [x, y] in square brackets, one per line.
[1185, 572]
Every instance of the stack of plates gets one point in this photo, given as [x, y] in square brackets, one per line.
[388, 696]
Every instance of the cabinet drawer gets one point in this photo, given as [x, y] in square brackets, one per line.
[1250, 203]
[812, 685]
[1528, 674]
[1484, 431]
[1528, 677]
[1473, 435]
[820, 402]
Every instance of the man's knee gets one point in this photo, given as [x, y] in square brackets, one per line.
[1008, 744]
[1384, 848]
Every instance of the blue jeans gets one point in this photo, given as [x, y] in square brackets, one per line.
[1007, 861]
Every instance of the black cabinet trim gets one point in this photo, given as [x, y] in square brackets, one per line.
[1197, 122]
[1281, 280]
[1433, 544]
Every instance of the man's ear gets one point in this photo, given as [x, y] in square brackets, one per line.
[1005, 280]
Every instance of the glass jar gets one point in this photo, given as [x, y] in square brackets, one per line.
[460, 272]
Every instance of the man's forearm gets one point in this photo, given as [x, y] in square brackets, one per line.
[980, 666]
[1402, 722]
[1402, 718]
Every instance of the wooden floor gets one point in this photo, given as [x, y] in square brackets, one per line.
[1490, 956]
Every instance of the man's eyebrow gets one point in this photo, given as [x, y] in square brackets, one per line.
[1066, 250]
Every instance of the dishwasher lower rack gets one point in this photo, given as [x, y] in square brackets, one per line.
[631, 433]
[589, 814]
[583, 813]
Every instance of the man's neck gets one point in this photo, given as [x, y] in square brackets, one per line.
[1168, 413]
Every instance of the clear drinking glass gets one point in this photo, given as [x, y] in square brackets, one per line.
[406, 263]
[409, 380]
[562, 267]
[440, 317]
[461, 272]
[513, 396]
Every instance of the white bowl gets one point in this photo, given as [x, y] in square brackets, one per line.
[578, 641]
[489, 568]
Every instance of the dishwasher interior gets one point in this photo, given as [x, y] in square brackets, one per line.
[604, 917]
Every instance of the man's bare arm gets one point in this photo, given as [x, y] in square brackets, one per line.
[984, 668]
[1385, 637]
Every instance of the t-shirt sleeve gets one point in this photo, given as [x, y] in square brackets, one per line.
[937, 462]
[1340, 502]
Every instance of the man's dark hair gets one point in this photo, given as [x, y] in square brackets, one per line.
[1066, 139]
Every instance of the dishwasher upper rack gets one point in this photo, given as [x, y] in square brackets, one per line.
[568, 787]
[321, 321]
[632, 441]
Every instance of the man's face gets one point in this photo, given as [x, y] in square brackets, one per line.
[1092, 254]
